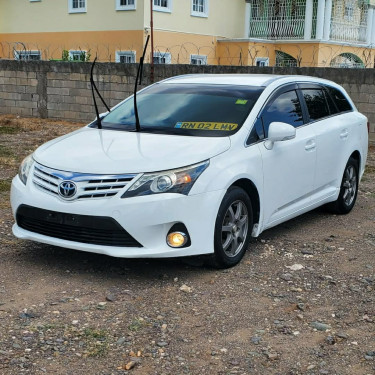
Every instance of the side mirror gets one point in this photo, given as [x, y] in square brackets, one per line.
[277, 132]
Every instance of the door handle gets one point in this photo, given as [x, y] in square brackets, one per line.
[310, 145]
[344, 134]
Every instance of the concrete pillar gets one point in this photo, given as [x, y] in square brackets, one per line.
[247, 19]
[373, 30]
[370, 20]
[327, 20]
[320, 19]
[308, 19]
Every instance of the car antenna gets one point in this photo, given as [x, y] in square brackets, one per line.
[93, 86]
[139, 76]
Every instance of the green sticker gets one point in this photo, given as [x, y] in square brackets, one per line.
[241, 101]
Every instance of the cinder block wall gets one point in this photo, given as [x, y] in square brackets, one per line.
[62, 90]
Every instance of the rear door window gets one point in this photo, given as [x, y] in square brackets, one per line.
[332, 106]
[341, 102]
[285, 108]
[316, 103]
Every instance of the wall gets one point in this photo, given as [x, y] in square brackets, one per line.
[309, 54]
[226, 18]
[62, 89]
[23, 16]
[47, 26]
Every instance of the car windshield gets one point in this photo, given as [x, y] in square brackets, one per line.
[186, 109]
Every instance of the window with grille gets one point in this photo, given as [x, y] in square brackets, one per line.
[262, 61]
[163, 5]
[198, 60]
[27, 55]
[125, 57]
[162, 58]
[349, 21]
[77, 55]
[349, 12]
[199, 8]
[125, 4]
[77, 6]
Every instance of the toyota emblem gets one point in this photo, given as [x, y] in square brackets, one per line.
[67, 189]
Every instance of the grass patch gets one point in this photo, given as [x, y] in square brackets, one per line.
[370, 169]
[96, 342]
[136, 325]
[5, 152]
[4, 186]
[8, 130]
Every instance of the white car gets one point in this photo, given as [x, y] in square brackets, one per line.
[218, 159]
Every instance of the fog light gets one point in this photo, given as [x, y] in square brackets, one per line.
[177, 239]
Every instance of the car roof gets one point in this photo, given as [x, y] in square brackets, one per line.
[262, 80]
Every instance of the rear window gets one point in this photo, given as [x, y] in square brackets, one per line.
[341, 102]
[187, 109]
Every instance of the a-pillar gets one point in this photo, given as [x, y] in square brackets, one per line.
[327, 20]
[308, 19]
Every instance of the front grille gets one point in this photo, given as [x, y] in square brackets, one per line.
[96, 230]
[88, 185]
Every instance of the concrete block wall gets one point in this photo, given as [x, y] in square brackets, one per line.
[62, 90]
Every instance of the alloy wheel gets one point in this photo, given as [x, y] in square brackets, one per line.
[349, 185]
[234, 228]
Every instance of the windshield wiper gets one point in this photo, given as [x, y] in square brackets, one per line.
[93, 86]
[139, 76]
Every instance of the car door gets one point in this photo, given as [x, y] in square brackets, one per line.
[289, 167]
[332, 131]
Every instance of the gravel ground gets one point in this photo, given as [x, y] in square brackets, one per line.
[300, 302]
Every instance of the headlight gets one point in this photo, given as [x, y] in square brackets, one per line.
[24, 170]
[173, 181]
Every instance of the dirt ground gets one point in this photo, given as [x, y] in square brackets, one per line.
[68, 312]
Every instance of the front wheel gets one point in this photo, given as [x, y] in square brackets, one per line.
[233, 227]
[348, 190]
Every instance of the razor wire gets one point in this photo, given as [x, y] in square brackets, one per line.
[223, 53]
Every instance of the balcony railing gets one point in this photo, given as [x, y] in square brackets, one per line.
[285, 20]
[277, 29]
[344, 32]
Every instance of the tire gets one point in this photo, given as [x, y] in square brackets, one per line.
[233, 228]
[348, 189]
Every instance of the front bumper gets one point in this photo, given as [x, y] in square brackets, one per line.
[148, 219]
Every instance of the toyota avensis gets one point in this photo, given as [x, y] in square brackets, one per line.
[216, 159]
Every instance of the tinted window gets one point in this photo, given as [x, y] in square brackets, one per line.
[257, 133]
[187, 109]
[342, 103]
[285, 108]
[316, 104]
[331, 105]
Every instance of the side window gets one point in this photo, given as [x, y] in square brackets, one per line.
[341, 102]
[316, 103]
[257, 133]
[331, 104]
[285, 108]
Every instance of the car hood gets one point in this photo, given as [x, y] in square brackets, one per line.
[113, 152]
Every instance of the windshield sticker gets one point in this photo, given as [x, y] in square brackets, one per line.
[241, 101]
[223, 126]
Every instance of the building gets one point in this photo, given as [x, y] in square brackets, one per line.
[338, 33]
[335, 33]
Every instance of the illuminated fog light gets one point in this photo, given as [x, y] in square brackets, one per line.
[176, 239]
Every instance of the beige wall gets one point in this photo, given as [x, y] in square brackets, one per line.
[23, 16]
[225, 18]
